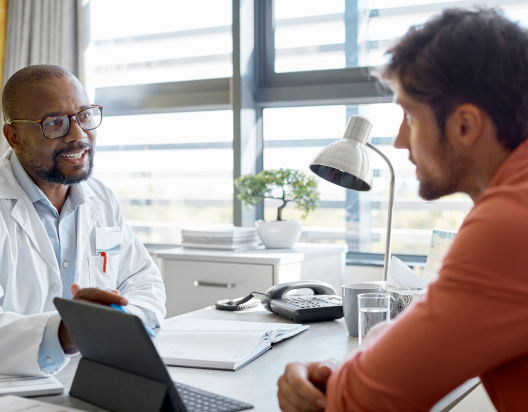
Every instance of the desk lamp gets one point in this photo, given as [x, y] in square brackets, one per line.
[346, 163]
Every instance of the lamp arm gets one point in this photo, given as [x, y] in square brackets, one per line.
[389, 211]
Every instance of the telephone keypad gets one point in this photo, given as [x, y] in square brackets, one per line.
[308, 308]
[307, 302]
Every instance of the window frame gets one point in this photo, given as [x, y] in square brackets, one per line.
[253, 87]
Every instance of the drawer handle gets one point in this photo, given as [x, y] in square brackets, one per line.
[198, 283]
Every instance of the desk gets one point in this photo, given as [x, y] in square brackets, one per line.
[195, 278]
[256, 383]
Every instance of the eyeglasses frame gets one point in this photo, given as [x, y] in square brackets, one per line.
[39, 122]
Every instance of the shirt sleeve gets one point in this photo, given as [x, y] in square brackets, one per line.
[51, 356]
[139, 278]
[472, 320]
[141, 283]
[146, 316]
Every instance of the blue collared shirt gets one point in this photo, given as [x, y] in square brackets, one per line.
[62, 232]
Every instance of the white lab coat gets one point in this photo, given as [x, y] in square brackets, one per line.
[29, 272]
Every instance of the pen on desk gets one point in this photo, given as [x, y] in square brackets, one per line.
[120, 308]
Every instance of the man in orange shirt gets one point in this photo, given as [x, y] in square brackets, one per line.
[462, 81]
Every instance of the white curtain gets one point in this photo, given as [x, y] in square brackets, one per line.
[46, 32]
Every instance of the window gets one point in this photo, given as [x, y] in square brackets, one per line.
[294, 136]
[309, 34]
[312, 36]
[196, 93]
[175, 40]
[330, 34]
[168, 168]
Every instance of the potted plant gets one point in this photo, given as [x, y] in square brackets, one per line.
[288, 186]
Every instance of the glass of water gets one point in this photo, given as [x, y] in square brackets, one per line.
[373, 308]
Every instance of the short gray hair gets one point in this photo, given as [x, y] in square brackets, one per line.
[27, 75]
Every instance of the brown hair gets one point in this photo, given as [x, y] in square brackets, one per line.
[464, 56]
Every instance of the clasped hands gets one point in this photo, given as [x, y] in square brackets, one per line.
[92, 295]
[302, 387]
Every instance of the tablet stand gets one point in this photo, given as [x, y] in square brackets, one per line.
[117, 390]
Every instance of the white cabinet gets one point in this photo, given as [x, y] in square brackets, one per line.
[195, 278]
[191, 285]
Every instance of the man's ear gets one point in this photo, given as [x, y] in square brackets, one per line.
[465, 126]
[12, 138]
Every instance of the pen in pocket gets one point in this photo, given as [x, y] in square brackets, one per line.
[103, 254]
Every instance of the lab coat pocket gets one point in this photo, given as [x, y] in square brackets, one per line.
[98, 277]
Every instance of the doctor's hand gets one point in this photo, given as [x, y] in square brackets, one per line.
[92, 295]
[302, 387]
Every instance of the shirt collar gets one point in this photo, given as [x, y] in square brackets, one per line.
[514, 169]
[29, 186]
[77, 193]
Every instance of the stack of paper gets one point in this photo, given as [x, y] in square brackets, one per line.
[236, 238]
[16, 404]
[29, 385]
[218, 344]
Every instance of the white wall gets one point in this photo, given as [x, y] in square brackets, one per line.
[357, 274]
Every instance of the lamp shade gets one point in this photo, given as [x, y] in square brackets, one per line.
[346, 162]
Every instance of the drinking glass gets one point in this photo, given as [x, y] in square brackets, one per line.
[373, 308]
[350, 293]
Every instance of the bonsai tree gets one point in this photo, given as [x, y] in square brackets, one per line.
[283, 184]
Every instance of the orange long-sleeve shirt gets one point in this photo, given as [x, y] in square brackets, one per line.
[473, 321]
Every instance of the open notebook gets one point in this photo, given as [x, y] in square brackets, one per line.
[218, 344]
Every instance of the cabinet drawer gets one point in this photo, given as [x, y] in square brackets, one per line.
[192, 285]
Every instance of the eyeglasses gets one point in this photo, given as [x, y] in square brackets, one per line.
[58, 126]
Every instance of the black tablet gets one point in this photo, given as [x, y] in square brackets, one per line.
[120, 368]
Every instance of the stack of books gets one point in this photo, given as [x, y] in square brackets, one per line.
[236, 238]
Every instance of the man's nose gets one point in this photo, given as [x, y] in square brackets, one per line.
[76, 133]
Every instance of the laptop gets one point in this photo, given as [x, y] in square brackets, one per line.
[120, 368]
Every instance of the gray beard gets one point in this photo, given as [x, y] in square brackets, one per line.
[55, 175]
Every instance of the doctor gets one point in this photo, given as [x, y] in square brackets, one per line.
[62, 232]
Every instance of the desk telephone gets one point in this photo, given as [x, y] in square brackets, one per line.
[324, 304]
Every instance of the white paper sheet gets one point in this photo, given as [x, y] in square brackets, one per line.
[440, 245]
[208, 345]
[208, 325]
[29, 385]
[17, 404]
[400, 276]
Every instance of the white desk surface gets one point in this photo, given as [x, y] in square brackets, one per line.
[256, 383]
[298, 253]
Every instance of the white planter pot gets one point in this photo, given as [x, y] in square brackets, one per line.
[279, 234]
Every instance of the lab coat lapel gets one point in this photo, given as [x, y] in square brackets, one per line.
[26, 216]
[24, 213]
[88, 213]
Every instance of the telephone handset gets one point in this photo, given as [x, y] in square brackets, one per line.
[324, 304]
